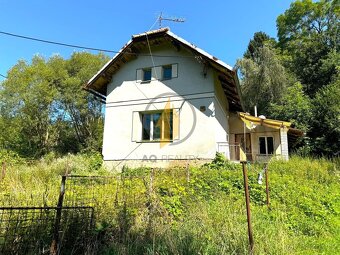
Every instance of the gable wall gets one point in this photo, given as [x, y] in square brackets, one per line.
[187, 93]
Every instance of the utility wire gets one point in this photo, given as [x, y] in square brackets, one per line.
[3, 76]
[56, 43]
[84, 47]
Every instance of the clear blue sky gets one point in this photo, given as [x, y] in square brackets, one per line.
[223, 28]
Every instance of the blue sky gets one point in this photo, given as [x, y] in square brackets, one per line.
[222, 28]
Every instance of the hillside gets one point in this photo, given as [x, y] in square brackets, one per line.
[190, 211]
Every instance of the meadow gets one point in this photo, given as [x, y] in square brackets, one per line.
[194, 210]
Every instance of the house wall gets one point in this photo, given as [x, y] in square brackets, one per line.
[284, 143]
[198, 131]
[221, 120]
[279, 137]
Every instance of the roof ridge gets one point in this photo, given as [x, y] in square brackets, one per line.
[150, 32]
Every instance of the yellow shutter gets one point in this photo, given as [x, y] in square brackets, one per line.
[175, 124]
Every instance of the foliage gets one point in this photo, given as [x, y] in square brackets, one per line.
[199, 210]
[10, 157]
[295, 107]
[44, 109]
[286, 79]
[325, 130]
[259, 40]
[308, 32]
[264, 79]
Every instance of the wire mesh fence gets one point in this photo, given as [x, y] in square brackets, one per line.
[88, 190]
[30, 230]
[139, 196]
[111, 191]
[30, 226]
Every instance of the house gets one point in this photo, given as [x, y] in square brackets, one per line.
[168, 101]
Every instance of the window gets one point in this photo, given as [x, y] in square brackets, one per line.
[147, 74]
[157, 126]
[167, 72]
[266, 145]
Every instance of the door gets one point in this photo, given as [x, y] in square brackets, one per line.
[239, 148]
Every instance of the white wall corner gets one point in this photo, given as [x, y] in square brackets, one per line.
[284, 143]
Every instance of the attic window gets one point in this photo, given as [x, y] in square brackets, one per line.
[167, 72]
[146, 74]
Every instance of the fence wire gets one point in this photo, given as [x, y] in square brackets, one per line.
[117, 201]
[29, 230]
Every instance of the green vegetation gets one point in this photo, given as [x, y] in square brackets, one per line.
[201, 210]
[296, 78]
[44, 109]
[196, 211]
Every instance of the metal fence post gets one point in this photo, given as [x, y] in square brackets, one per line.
[267, 185]
[246, 193]
[55, 245]
[3, 172]
[188, 172]
[150, 205]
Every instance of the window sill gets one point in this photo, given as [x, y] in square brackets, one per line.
[155, 141]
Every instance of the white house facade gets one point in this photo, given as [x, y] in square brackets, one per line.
[169, 102]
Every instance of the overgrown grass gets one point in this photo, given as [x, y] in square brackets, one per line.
[196, 211]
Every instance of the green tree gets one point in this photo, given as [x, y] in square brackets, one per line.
[294, 106]
[308, 33]
[325, 130]
[256, 43]
[263, 79]
[43, 107]
[84, 111]
[27, 98]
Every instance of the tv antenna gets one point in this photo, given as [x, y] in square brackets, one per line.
[173, 19]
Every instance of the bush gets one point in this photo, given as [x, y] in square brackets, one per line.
[199, 210]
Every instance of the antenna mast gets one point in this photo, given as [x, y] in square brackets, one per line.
[173, 19]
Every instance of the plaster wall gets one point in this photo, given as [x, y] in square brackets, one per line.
[189, 93]
[279, 135]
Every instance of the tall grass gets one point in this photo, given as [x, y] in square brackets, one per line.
[172, 212]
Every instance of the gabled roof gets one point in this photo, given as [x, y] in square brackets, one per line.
[134, 48]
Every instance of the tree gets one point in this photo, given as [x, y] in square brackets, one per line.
[295, 107]
[308, 33]
[26, 104]
[256, 43]
[263, 78]
[325, 130]
[84, 111]
[43, 107]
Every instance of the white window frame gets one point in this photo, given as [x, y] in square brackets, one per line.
[161, 139]
[157, 73]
